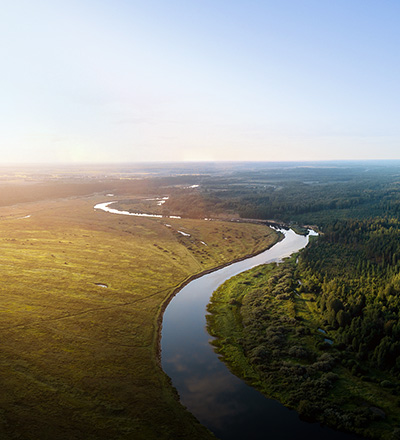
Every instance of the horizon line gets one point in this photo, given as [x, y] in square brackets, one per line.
[183, 162]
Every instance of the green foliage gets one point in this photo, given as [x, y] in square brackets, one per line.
[273, 341]
[354, 270]
[314, 194]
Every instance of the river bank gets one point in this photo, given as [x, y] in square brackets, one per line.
[272, 240]
[266, 335]
[167, 301]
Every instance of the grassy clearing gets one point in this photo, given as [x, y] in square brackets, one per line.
[79, 361]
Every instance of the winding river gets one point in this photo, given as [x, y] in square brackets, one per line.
[223, 403]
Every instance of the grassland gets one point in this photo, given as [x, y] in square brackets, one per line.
[78, 360]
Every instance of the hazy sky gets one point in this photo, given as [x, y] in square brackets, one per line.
[127, 80]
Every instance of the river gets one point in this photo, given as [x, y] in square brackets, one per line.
[223, 403]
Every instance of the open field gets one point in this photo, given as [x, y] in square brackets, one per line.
[78, 360]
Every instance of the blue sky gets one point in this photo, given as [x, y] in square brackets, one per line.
[124, 81]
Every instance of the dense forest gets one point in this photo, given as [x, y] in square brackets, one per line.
[303, 194]
[354, 272]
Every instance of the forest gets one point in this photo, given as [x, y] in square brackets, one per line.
[354, 272]
[310, 193]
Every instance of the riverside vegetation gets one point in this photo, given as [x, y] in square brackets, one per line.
[281, 344]
[79, 360]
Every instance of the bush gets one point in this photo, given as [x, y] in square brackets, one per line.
[299, 352]
[307, 410]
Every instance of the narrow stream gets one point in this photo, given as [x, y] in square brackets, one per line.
[219, 400]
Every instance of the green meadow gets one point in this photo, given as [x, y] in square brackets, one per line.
[79, 360]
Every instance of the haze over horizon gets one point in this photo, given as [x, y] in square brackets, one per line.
[101, 82]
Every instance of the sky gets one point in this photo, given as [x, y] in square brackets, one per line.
[98, 81]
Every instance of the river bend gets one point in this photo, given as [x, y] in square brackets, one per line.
[220, 401]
